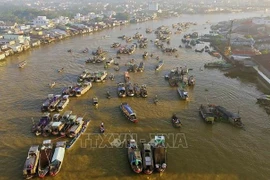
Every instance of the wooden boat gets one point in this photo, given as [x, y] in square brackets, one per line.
[63, 103]
[100, 76]
[115, 45]
[108, 95]
[46, 152]
[57, 127]
[95, 101]
[126, 77]
[218, 64]
[75, 128]
[121, 90]
[47, 103]
[31, 163]
[130, 90]
[191, 80]
[183, 94]
[52, 84]
[208, 113]
[225, 115]
[141, 67]
[68, 124]
[264, 99]
[60, 70]
[102, 128]
[145, 55]
[128, 112]
[160, 154]
[110, 61]
[37, 128]
[22, 64]
[47, 130]
[137, 90]
[83, 89]
[143, 91]
[134, 156]
[58, 157]
[160, 64]
[156, 99]
[73, 140]
[176, 121]
[147, 158]
[53, 105]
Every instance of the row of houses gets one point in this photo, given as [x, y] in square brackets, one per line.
[14, 41]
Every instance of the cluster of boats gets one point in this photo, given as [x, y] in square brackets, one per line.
[179, 76]
[129, 89]
[133, 67]
[66, 125]
[151, 157]
[97, 76]
[44, 160]
[211, 113]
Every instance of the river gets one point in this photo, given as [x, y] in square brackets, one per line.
[196, 151]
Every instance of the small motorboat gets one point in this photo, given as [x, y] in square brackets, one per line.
[176, 121]
[160, 64]
[60, 70]
[22, 64]
[52, 84]
[95, 101]
[108, 95]
[102, 128]
[183, 94]
[156, 99]
[31, 163]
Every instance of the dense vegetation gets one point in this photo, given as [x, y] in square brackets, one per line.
[24, 14]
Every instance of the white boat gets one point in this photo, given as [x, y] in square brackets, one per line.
[52, 84]
[83, 89]
[100, 76]
[58, 157]
[31, 163]
[75, 129]
[63, 103]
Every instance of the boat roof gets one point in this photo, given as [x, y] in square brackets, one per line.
[159, 140]
[34, 148]
[56, 124]
[128, 108]
[148, 161]
[48, 141]
[79, 119]
[61, 144]
[58, 154]
[146, 146]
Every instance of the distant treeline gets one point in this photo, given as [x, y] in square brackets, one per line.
[24, 14]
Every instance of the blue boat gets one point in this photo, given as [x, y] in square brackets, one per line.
[128, 112]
